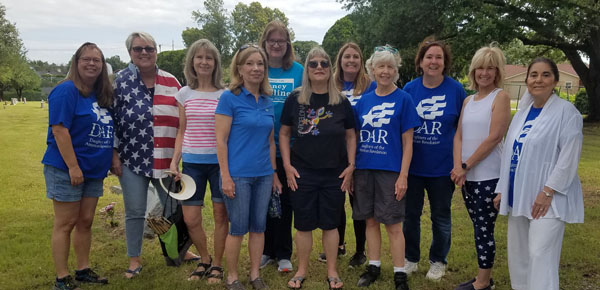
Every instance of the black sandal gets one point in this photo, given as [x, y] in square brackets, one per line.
[200, 274]
[218, 275]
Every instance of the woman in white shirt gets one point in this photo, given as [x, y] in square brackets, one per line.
[539, 188]
[483, 122]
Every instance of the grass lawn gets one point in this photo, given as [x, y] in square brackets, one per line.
[25, 233]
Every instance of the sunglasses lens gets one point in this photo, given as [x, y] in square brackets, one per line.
[149, 49]
[324, 64]
[313, 64]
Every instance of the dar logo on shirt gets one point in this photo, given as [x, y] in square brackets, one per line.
[378, 115]
[429, 109]
[102, 114]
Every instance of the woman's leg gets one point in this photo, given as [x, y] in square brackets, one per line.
[256, 244]
[192, 215]
[545, 244]
[439, 191]
[82, 236]
[374, 239]
[304, 243]
[233, 245]
[65, 218]
[397, 244]
[415, 197]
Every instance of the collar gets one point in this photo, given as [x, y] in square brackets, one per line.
[246, 92]
[135, 70]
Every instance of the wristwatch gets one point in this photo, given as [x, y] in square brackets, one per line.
[547, 194]
[464, 165]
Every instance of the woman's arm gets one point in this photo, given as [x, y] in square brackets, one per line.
[65, 147]
[407, 150]
[273, 154]
[222, 129]
[284, 148]
[458, 175]
[174, 167]
[347, 174]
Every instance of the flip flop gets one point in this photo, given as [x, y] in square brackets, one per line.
[133, 272]
[294, 280]
[335, 281]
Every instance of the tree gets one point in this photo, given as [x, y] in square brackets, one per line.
[571, 26]
[11, 51]
[116, 63]
[172, 61]
[214, 25]
[519, 54]
[249, 21]
[191, 34]
[24, 77]
[341, 32]
[301, 49]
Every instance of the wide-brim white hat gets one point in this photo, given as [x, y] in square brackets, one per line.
[188, 187]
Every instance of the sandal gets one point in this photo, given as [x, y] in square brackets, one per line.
[202, 273]
[294, 280]
[235, 285]
[218, 275]
[259, 284]
[133, 272]
[335, 281]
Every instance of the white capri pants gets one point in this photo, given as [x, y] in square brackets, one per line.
[534, 252]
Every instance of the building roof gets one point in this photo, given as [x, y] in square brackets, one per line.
[513, 70]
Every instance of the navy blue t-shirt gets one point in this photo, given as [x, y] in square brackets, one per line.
[348, 91]
[381, 121]
[439, 109]
[90, 126]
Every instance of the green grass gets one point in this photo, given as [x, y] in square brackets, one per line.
[27, 216]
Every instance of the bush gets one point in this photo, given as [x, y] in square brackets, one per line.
[30, 95]
[581, 102]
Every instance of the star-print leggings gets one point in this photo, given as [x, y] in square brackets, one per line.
[479, 197]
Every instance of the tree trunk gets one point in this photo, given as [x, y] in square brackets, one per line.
[19, 92]
[589, 76]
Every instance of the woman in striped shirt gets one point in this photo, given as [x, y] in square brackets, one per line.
[196, 145]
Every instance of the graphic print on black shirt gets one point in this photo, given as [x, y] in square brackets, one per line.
[309, 119]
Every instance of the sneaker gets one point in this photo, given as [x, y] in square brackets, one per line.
[367, 278]
[469, 285]
[341, 253]
[357, 260]
[284, 265]
[87, 275]
[437, 270]
[265, 260]
[410, 267]
[66, 283]
[401, 281]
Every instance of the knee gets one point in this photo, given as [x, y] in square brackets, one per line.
[85, 223]
[220, 216]
[65, 225]
[193, 221]
[371, 223]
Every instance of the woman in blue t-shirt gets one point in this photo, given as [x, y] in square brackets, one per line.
[80, 141]
[284, 76]
[438, 99]
[246, 155]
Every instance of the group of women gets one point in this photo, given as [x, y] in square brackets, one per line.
[311, 134]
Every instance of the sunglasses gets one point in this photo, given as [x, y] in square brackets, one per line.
[247, 46]
[149, 49]
[386, 48]
[315, 64]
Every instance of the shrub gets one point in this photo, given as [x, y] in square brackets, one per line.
[581, 102]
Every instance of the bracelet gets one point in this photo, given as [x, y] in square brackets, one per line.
[546, 193]
[351, 164]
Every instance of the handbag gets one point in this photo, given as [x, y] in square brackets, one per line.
[275, 204]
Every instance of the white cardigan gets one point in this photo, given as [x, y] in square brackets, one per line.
[549, 157]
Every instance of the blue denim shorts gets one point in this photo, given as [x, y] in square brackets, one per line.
[247, 210]
[59, 188]
[203, 173]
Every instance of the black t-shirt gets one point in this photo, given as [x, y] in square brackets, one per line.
[318, 130]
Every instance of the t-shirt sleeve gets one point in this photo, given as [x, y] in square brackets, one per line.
[61, 105]
[181, 95]
[349, 113]
[409, 114]
[286, 113]
[225, 106]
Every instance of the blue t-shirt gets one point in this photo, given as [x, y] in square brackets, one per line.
[517, 147]
[283, 83]
[439, 109]
[90, 126]
[251, 125]
[348, 91]
[381, 121]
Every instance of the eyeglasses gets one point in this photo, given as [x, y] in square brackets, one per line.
[386, 47]
[280, 42]
[248, 45]
[138, 49]
[90, 60]
[315, 64]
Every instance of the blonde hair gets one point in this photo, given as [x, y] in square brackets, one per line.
[384, 56]
[239, 59]
[335, 97]
[362, 81]
[276, 25]
[487, 56]
[143, 35]
[102, 86]
[190, 73]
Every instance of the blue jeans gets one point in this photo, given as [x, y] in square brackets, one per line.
[135, 194]
[247, 210]
[439, 192]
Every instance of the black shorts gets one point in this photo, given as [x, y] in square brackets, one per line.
[318, 202]
[374, 193]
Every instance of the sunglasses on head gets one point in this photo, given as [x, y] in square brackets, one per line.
[248, 45]
[315, 64]
[386, 48]
[149, 49]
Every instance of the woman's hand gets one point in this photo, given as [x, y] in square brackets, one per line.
[541, 205]
[400, 186]
[458, 176]
[497, 200]
[276, 183]
[174, 168]
[76, 175]
[227, 186]
[291, 174]
[115, 166]
[347, 175]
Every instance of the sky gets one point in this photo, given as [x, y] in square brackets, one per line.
[53, 29]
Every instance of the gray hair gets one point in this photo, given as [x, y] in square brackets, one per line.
[143, 35]
[383, 56]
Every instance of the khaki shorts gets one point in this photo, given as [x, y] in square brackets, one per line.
[374, 197]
